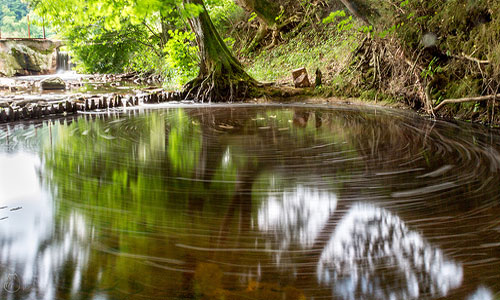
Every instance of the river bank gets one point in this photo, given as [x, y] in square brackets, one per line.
[23, 99]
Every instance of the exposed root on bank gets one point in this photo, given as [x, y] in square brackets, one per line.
[382, 65]
[216, 87]
[424, 79]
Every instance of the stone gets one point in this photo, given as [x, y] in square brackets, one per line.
[300, 78]
[53, 83]
[19, 57]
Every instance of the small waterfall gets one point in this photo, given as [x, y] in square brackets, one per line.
[63, 61]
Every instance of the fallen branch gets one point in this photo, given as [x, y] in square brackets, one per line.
[466, 57]
[461, 100]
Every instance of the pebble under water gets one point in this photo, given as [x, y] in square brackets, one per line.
[249, 202]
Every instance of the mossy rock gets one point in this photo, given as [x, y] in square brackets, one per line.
[28, 57]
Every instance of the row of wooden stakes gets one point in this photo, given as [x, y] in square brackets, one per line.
[36, 111]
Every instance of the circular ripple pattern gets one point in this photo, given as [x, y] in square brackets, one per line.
[250, 202]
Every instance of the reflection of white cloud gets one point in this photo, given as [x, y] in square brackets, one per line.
[296, 217]
[227, 157]
[373, 255]
[31, 245]
[482, 293]
[18, 178]
[29, 223]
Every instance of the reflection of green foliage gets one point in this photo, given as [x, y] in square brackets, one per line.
[135, 181]
[184, 144]
[119, 167]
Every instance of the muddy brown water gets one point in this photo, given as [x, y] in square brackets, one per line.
[249, 202]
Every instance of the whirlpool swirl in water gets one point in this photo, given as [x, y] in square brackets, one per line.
[254, 202]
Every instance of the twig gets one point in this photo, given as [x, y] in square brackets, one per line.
[461, 100]
[466, 57]
[151, 30]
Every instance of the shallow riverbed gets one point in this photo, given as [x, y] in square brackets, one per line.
[249, 202]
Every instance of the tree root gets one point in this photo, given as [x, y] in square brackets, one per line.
[215, 87]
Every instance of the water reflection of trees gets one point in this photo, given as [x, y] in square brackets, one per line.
[127, 180]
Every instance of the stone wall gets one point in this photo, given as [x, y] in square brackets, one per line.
[20, 57]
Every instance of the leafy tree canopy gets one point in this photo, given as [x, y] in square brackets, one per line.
[112, 14]
[14, 20]
[16, 8]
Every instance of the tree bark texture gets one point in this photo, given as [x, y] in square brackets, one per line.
[267, 11]
[353, 9]
[221, 76]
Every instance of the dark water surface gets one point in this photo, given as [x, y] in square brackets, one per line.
[249, 202]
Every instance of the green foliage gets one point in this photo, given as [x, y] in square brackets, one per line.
[334, 16]
[112, 14]
[14, 21]
[253, 16]
[97, 50]
[223, 13]
[280, 15]
[15, 7]
[117, 36]
[344, 23]
[181, 56]
[431, 69]
[144, 36]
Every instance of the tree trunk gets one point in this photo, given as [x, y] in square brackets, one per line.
[221, 76]
[267, 11]
[259, 36]
[352, 8]
[267, 14]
